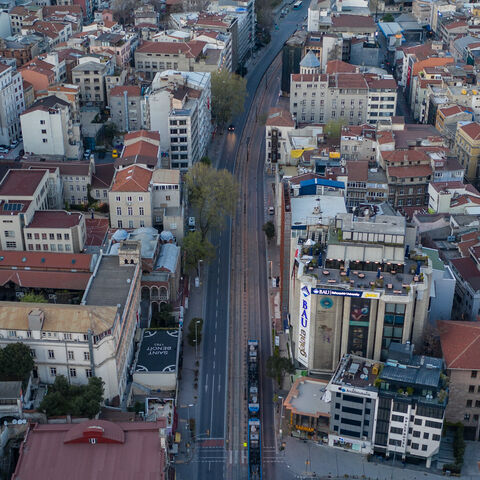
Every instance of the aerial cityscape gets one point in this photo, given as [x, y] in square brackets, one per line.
[239, 239]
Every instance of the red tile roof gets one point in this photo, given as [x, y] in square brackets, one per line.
[190, 49]
[132, 91]
[132, 179]
[103, 176]
[140, 134]
[141, 148]
[38, 279]
[80, 168]
[353, 21]
[453, 110]
[472, 130]
[468, 270]
[97, 229]
[338, 66]
[19, 183]
[55, 219]
[414, 171]
[357, 171]
[45, 260]
[308, 77]
[278, 117]
[122, 451]
[460, 344]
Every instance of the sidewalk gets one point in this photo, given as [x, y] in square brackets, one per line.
[187, 393]
[329, 462]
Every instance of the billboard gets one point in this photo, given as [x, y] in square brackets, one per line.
[332, 292]
[303, 338]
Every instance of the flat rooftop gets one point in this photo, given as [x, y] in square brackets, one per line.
[303, 209]
[111, 284]
[307, 397]
[158, 351]
[356, 372]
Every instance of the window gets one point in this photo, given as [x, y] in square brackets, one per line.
[337, 417]
[418, 421]
[424, 448]
[140, 199]
[396, 430]
[415, 446]
[396, 443]
[120, 224]
[86, 356]
[141, 211]
[59, 236]
[397, 418]
[29, 236]
[119, 210]
[88, 373]
[42, 122]
[477, 403]
[66, 236]
[9, 234]
[53, 372]
[426, 435]
[51, 236]
[130, 211]
[473, 374]
[429, 423]
[73, 372]
[44, 140]
[11, 244]
[12, 333]
[436, 438]
[129, 199]
[51, 354]
[33, 353]
[416, 434]
[469, 403]
[70, 355]
[466, 416]
[117, 199]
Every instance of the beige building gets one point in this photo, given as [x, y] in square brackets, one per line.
[22, 192]
[90, 77]
[94, 339]
[55, 231]
[461, 350]
[467, 147]
[130, 198]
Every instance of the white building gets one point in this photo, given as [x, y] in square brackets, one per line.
[12, 103]
[81, 341]
[178, 108]
[49, 129]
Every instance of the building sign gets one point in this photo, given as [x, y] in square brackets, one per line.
[358, 391]
[344, 293]
[304, 325]
[304, 429]
[358, 328]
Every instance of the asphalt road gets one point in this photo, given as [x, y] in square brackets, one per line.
[211, 452]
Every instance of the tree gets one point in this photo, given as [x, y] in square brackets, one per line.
[333, 128]
[195, 250]
[110, 131]
[388, 18]
[33, 298]
[164, 317]
[78, 400]
[269, 229]
[206, 160]
[431, 342]
[213, 194]
[278, 366]
[228, 96]
[16, 362]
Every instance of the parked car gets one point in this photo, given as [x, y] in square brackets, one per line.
[3, 150]
[271, 210]
[191, 224]
[231, 128]
[115, 153]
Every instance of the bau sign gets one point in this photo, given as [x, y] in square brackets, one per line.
[304, 325]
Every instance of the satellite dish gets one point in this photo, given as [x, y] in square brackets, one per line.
[14, 421]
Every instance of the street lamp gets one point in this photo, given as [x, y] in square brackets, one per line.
[196, 338]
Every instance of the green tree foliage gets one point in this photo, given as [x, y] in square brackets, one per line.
[228, 96]
[164, 317]
[213, 194]
[77, 400]
[16, 362]
[278, 366]
[206, 160]
[33, 298]
[110, 131]
[388, 18]
[269, 229]
[195, 250]
[333, 128]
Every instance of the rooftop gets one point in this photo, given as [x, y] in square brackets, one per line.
[354, 371]
[460, 344]
[45, 260]
[55, 219]
[132, 179]
[158, 352]
[165, 176]
[304, 209]
[307, 397]
[122, 451]
[21, 183]
[111, 284]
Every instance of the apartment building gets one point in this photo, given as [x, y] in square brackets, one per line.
[362, 294]
[49, 130]
[353, 98]
[192, 56]
[81, 341]
[460, 346]
[178, 107]
[12, 103]
[467, 148]
[140, 148]
[130, 199]
[359, 143]
[21, 16]
[22, 192]
[278, 125]
[127, 107]
[90, 77]
[394, 408]
[40, 74]
[118, 44]
[55, 231]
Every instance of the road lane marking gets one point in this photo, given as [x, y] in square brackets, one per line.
[206, 383]
[215, 337]
[211, 410]
[214, 351]
[230, 456]
[219, 382]
[215, 324]
[213, 367]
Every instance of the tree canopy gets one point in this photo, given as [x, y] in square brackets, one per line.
[77, 400]
[16, 362]
[195, 250]
[213, 195]
[333, 128]
[269, 229]
[228, 96]
[33, 298]
[278, 366]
